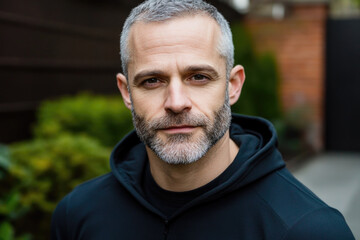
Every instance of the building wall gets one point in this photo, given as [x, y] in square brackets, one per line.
[298, 42]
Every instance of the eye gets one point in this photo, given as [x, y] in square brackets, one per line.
[199, 79]
[151, 83]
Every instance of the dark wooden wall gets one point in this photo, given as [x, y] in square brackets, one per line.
[58, 47]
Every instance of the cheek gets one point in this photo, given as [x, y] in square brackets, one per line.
[209, 100]
[147, 105]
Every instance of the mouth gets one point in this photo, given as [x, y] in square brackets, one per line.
[178, 129]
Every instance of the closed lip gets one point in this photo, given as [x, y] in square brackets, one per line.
[179, 129]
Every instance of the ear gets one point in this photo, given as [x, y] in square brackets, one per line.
[123, 87]
[236, 82]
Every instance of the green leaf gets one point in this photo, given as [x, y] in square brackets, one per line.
[6, 231]
[4, 157]
[103, 118]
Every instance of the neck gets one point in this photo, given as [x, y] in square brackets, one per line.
[186, 177]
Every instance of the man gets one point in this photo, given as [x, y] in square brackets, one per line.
[186, 173]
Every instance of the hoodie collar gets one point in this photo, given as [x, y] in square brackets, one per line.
[258, 156]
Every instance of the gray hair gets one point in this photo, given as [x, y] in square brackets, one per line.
[161, 10]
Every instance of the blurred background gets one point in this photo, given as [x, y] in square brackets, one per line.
[61, 113]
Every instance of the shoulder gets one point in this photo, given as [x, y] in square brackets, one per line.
[79, 202]
[286, 196]
[323, 223]
[303, 214]
[92, 189]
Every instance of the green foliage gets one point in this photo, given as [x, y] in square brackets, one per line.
[356, 3]
[103, 118]
[4, 160]
[10, 208]
[47, 169]
[73, 141]
[43, 171]
[7, 233]
[260, 92]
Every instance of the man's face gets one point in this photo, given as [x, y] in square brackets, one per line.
[177, 81]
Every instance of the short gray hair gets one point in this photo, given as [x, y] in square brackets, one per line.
[162, 10]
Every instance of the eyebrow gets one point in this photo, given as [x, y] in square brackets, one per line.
[147, 73]
[193, 68]
[203, 68]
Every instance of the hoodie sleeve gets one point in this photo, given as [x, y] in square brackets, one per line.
[59, 221]
[324, 223]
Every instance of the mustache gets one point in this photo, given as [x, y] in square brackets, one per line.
[183, 119]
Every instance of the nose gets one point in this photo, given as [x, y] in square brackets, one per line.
[177, 99]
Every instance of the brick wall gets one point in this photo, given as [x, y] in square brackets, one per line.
[298, 42]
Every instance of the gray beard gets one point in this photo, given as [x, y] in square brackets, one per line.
[183, 148]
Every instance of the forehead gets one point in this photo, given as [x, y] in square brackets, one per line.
[180, 27]
[196, 35]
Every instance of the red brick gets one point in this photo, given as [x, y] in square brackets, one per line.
[298, 42]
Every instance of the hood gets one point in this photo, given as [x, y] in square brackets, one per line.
[257, 157]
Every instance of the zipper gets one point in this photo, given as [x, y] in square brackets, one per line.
[166, 229]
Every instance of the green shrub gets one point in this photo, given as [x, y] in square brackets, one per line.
[43, 171]
[4, 161]
[260, 95]
[7, 232]
[73, 141]
[103, 118]
[10, 208]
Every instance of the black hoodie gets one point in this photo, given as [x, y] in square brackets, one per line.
[259, 200]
